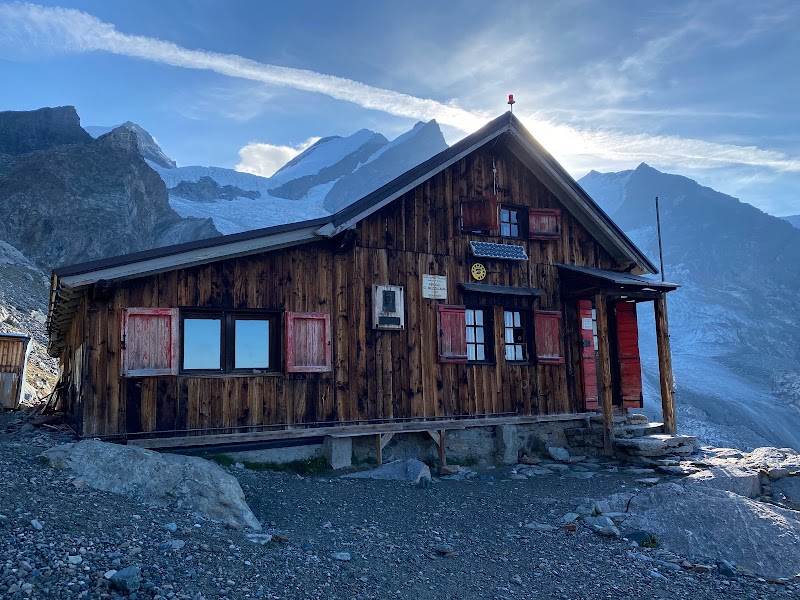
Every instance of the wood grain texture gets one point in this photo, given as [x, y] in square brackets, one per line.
[374, 375]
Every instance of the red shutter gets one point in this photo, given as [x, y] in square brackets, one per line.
[547, 326]
[588, 356]
[308, 342]
[452, 334]
[544, 223]
[630, 366]
[480, 214]
[149, 342]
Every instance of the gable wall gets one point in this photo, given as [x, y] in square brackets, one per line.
[377, 375]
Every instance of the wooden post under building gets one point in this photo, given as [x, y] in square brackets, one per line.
[604, 366]
[665, 364]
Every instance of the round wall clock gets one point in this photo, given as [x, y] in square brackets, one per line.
[478, 271]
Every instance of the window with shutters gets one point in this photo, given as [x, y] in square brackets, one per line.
[149, 344]
[452, 326]
[515, 335]
[229, 341]
[308, 342]
[547, 328]
[479, 335]
[544, 223]
[480, 215]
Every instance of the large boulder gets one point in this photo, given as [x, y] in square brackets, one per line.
[701, 522]
[739, 480]
[183, 482]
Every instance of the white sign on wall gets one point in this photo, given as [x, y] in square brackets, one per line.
[434, 287]
[586, 323]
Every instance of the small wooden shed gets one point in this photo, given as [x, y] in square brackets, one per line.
[14, 350]
[483, 287]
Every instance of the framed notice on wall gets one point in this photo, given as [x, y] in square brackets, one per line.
[434, 287]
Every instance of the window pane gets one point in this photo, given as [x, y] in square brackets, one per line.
[513, 216]
[505, 229]
[470, 315]
[509, 352]
[470, 335]
[251, 344]
[516, 320]
[479, 335]
[508, 318]
[481, 352]
[478, 317]
[515, 231]
[470, 351]
[201, 344]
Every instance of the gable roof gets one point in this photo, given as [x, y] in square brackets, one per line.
[69, 281]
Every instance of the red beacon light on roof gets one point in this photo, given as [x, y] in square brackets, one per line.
[511, 99]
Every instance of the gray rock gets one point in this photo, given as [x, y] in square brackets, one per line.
[341, 556]
[183, 482]
[533, 471]
[570, 517]
[598, 522]
[75, 560]
[539, 527]
[444, 549]
[259, 538]
[743, 481]
[777, 473]
[726, 569]
[787, 490]
[700, 520]
[127, 580]
[609, 531]
[557, 453]
[642, 538]
[410, 470]
[177, 544]
[171, 527]
[648, 480]
[36, 525]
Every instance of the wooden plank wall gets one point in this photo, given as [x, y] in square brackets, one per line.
[376, 375]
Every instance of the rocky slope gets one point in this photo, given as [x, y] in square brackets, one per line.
[734, 324]
[82, 202]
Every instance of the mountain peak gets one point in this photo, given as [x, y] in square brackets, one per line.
[27, 131]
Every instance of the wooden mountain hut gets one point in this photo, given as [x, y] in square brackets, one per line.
[483, 287]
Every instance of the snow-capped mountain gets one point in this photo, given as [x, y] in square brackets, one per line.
[794, 220]
[148, 147]
[735, 322]
[324, 178]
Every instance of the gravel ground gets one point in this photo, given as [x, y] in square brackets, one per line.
[455, 539]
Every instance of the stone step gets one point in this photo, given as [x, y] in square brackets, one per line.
[658, 445]
[639, 430]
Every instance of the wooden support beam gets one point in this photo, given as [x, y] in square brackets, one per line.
[665, 365]
[604, 367]
[380, 444]
[436, 439]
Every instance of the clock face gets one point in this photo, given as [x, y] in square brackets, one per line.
[478, 271]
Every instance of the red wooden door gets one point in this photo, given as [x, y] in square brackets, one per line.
[588, 355]
[630, 365]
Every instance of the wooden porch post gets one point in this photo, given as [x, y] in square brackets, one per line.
[665, 364]
[604, 366]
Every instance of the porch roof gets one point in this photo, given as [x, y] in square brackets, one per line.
[577, 278]
[504, 290]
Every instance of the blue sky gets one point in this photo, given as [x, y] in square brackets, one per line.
[709, 89]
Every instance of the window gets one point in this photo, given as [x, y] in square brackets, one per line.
[515, 336]
[544, 223]
[477, 322]
[510, 222]
[229, 341]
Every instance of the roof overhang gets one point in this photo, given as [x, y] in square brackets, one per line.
[501, 290]
[577, 281]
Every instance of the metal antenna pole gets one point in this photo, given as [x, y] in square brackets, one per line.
[660, 251]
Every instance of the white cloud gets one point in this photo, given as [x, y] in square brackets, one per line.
[264, 159]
